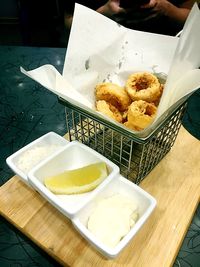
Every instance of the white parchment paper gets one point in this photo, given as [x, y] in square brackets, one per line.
[101, 50]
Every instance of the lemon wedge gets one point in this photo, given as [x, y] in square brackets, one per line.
[78, 180]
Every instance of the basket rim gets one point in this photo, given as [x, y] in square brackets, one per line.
[142, 136]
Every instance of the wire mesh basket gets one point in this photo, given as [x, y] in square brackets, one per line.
[134, 155]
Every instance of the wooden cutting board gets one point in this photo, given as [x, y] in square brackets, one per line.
[175, 183]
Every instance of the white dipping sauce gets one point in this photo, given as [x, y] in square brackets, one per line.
[112, 219]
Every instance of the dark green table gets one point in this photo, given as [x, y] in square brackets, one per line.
[27, 111]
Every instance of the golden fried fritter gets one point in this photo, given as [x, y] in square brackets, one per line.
[113, 94]
[143, 86]
[140, 115]
[109, 110]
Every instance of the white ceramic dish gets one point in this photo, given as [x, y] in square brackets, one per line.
[48, 140]
[74, 155]
[145, 202]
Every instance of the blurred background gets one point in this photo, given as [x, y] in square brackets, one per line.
[32, 23]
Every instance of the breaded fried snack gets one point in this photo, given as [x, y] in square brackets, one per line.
[109, 110]
[144, 86]
[140, 115]
[114, 95]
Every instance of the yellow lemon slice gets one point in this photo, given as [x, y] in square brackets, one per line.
[78, 180]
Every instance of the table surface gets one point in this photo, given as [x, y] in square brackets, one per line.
[156, 244]
[28, 111]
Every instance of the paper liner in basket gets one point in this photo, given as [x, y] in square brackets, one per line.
[101, 50]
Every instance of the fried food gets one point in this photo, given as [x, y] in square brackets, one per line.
[134, 105]
[109, 110]
[144, 86]
[114, 95]
[140, 115]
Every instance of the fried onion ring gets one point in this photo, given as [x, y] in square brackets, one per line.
[109, 110]
[143, 86]
[140, 115]
[113, 94]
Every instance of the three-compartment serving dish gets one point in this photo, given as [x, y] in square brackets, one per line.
[66, 155]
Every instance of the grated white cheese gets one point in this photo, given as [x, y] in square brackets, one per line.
[33, 156]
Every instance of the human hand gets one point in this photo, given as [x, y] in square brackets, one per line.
[132, 4]
[112, 7]
[168, 9]
[160, 7]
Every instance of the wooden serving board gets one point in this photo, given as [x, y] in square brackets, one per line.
[175, 183]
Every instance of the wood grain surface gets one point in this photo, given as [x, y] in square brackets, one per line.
[174, 182]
